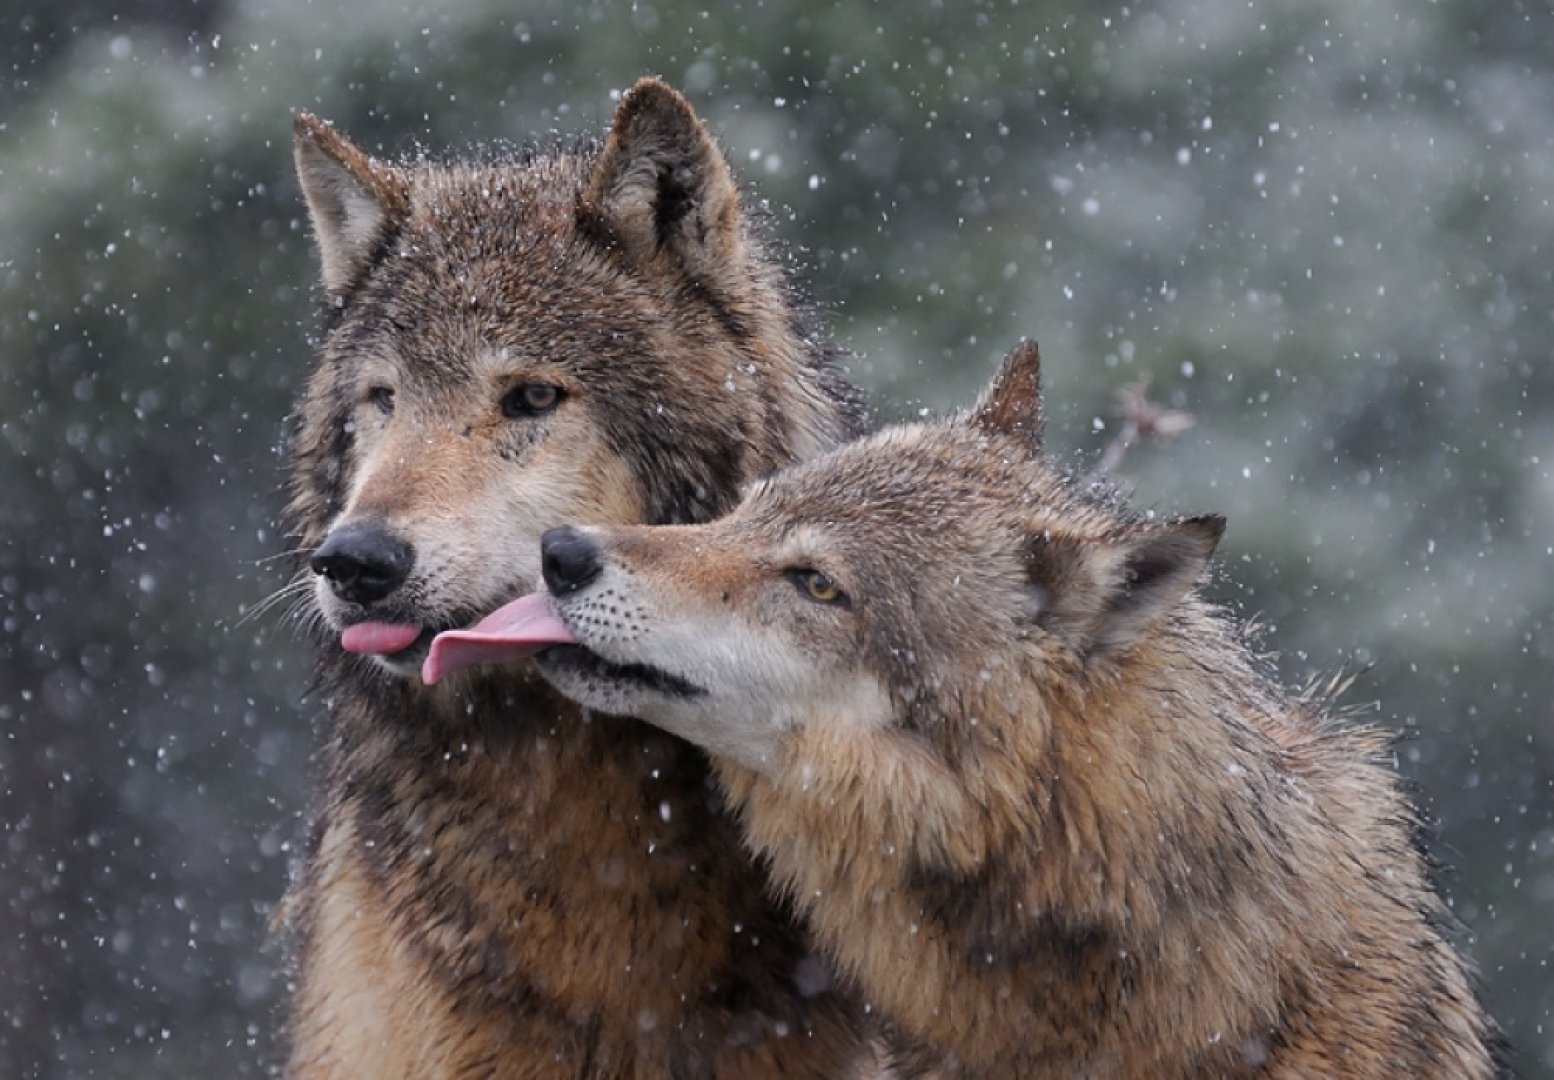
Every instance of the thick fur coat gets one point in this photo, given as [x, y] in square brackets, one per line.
[496, 884]
[1038, 799]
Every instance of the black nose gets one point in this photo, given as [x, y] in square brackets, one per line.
[363, 563]
[568, 559]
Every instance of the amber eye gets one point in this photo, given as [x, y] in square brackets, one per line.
[382, 398]
[818, 587]
[530, 399]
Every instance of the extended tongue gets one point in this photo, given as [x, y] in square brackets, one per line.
[513, 630]
[378, 638]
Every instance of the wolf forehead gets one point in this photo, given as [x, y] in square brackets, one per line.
[494, 250]
[926, 486]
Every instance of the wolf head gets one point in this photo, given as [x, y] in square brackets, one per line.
[920, 578]
[591, 335]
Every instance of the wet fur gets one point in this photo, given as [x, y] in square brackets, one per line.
[494, 883]
[1042, 803]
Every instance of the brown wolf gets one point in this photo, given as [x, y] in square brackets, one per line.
[496, 884]
[1036, 797]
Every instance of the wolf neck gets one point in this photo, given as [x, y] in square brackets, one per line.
[558, 882]
[1096, 862]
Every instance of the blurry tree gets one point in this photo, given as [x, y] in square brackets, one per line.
[1322, 227]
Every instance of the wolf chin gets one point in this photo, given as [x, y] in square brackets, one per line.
[1035, 796]
[495, 883]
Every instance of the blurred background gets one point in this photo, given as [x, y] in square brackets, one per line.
[1324, 227]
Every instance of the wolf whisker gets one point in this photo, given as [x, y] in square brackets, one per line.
[294, 590]
[289, 553]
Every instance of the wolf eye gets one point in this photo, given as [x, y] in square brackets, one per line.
[530, 399]
[818, 587]
[383, 398]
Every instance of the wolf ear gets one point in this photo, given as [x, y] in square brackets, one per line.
[1012, 404]
[662, 186]
[352, 199]
[1103, 595]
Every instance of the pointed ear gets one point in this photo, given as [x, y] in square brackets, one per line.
[1012, 404]
[1103, 595]
[662, 186]
[352, 199]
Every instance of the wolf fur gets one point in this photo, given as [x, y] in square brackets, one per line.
[1037, 798]
[494, 883]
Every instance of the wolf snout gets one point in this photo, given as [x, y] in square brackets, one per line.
[569, 559]
[363, 563]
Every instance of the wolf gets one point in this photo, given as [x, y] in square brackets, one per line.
[1036, 796]
[495, 884]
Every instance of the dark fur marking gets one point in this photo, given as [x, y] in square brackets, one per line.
[676, 197]
[709, 296]
[591, 663]
[333, 307]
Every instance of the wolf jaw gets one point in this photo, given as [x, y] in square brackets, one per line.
[492, 881]
[1038, 800]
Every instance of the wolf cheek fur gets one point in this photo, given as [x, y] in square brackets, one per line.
[492, 884]
[1039, 800]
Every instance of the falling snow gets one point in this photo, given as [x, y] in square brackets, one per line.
[1326, 237]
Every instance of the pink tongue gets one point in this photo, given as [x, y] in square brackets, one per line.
[378, 638]
[512, 630]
